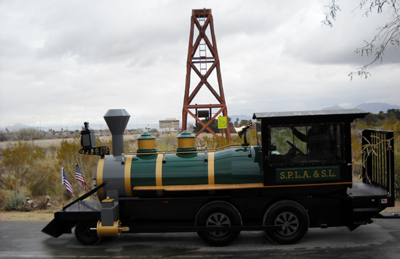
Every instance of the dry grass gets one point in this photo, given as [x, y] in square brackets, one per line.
[45, 216]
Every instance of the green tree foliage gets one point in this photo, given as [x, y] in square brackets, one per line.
[245, 122]
[213, 126]
[3, 135]
[382, 120]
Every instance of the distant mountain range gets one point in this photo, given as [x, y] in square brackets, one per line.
[368, 107]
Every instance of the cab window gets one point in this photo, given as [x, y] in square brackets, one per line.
[306, 143]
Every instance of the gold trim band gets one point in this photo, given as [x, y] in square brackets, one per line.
[211, 171]
[159, 174]
[211, 175]
[127, 175]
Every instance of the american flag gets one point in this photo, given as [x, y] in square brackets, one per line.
[64, 181]
[79, 177]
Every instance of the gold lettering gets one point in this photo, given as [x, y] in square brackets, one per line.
[290, 175]
[323, 173]
[316, 174]
[282, 175]
[306, 175]
[297, 176]
[331, 174]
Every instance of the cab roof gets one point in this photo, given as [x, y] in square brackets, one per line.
[319, 115]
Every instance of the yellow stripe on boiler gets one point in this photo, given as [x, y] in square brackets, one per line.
[211, 173]
[159, 173]
[127, 176]
[99, 177]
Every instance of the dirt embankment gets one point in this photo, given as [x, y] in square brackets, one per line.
[44, 215]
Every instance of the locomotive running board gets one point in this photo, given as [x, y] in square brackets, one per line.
[84, 196]
[170, 229]
[208, 187]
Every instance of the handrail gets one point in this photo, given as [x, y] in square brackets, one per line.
[85, 195]
[188, 152]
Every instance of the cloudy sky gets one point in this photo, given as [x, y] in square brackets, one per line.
[66, 62]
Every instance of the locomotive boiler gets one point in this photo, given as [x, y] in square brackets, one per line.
[148, 173]
[276, 186]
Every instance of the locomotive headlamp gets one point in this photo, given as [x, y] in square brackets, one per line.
[242, 132]
[88, 140]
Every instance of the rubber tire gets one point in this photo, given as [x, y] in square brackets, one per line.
[217, 208]
[86, 236]
[298, 218]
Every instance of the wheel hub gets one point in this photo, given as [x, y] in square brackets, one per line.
[218, 220]
[289, 223]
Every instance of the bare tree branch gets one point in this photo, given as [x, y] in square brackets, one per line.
[388, 34]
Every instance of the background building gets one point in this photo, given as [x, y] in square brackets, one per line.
[169, 124]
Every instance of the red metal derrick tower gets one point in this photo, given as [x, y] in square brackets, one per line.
[204, 61]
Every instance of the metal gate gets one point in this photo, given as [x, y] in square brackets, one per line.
[378, 161]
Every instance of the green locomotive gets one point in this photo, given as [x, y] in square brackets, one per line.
[298, 176]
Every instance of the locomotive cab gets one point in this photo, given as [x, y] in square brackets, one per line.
[307, 148]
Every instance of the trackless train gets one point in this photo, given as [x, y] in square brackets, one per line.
[299, 176]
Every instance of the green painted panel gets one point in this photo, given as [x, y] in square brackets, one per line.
[184, 169]
[245, 169]
[223, 167]
[308, 174]
[143, 170]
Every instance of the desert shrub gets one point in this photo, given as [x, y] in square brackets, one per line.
[16, 202]
[130, 146]
[17, 161]
[68, 155]
[211, 142]
[169, 142]
[2, 196]
[204, 141]
[27, 134]
[44, 180]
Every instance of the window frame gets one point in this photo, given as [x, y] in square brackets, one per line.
[308, 162]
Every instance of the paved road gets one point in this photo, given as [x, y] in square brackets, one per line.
[378, 240]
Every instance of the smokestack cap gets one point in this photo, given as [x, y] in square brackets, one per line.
[116, 120]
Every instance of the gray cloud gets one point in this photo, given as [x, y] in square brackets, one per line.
[67, 62]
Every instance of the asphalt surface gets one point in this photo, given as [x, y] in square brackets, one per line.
[378, 240]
